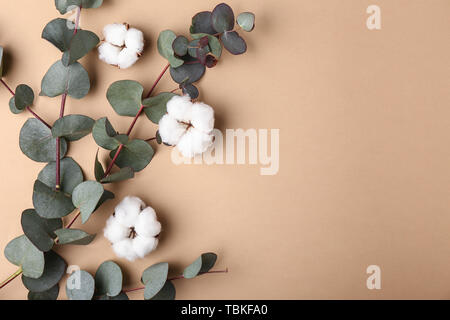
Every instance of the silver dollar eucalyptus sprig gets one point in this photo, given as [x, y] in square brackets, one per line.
[60, 188]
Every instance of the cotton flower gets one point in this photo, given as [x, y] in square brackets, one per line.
[133, 229]
[123, 45]
[187, 125]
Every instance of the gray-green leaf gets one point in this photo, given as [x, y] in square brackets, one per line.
[50, 294]
[168, 292]
[154, 278]
[57, 33]
[165, 41]
[214, 43]
[156, 107]
[122, 175]
[72, 127]
[86, 197]
[203, 264]
[80, 286]
[37, 143]
[74, 236]
[82, 43]
[21, 252]
[24, 96]
[70, 175]
[246, 21]
[104, 133]
[125, 97]
[51, 204]
[12, 106]
[222, 18]
[98, 169]
[136, 155]
[64, 5]
[39, 231]
[108, 279]
[233, 43]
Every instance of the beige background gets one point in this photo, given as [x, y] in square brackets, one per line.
[365, 155]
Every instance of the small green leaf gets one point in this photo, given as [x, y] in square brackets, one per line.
[72, 127]
[98, 169]
[188, 73]
[202, 23]
[86, 197]
[37, 143]
[165, 41]
[54, 270]
[21, 252]
[82, 43]
[125, 97]
[154, 278]
[190, 90]
[180, 45]
[233, 43]
[24, 96]
[38, 230]
[158, 137]
[168, 292]
[222, 18]
[108, 279]
[203, 264]
[136, 155]
[12, 106]
[107, 195]
[64, 5]
[214, 43]
[70, 175]
[104, 133]
[80, 286]
[57, 33]
[51, 204]
[50, 294]
[246, 21]
[156, 107]
[73, 80]
[74, 236]
[122, 175]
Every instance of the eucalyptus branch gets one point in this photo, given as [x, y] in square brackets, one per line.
[11, 278]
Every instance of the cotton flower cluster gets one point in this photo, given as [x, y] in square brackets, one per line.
[133, 229]
[187, 125]
[123, 45]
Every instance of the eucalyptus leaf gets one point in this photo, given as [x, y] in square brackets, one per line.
[98, 169]
[39, 231]
[202, 264]
[108, 279]
[233, 43]
[51, 204]
[107, 195]
[222, 18]
[167, 292]
[158, 138]
[122, 175]
[50, 294]
[70, 175]
[21, 252]
[54, 270]
[73, 127]
[154, 278]
[121, 296]
[74, 236]
[57, 33]
[214, 43]
[180, 45]
[64, 5]
[196, 50]
[37, 143]
[24, 96]
[202, 23]
[125, 97]
[12, 106]
[104, 133]
[136, 155]
[59, 79]
[190, 90]
[246, 21]
[156, 107]
[81, 44]
[80, 286]
[188, 73]
[165, 49]
[86, 196]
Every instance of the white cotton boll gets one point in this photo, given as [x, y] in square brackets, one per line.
[124, 249]
[142, 246]
[180, 108]
[146, 224]
[127, 58]
[127, 211]
[115, 34]
[171, 130]
[114, 231]
[134, 40]
[202, 117]
[194, 142]
[109, 53]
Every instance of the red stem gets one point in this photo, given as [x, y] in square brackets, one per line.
[7, 87]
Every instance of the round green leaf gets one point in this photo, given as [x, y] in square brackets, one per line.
[154, 278]
[37, 143]
[70, 175]
[80, 286]
[121, 296]
[188, 73]
[203, 264]
[12, 106]
[246, 21]
[24, 96]
[180, 45]
[73, 80]
[54, 270]
[104, 133]
[38, 230]
[21, 252]
[72, 127]
[86, 197]
[82, 42]
[98, 169]
[156, 107]
[122, 175]
[190, 90]
[57, 33]
[125, 97]
[168, 292]
[50, 294]
[214, 43]
[234, 43]
[202, 23]
[64, 5]
[222, 18]
[195, 51]
[51, 204]
[136, 155]
[108, 279]
[165, 41]
[74, 236]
